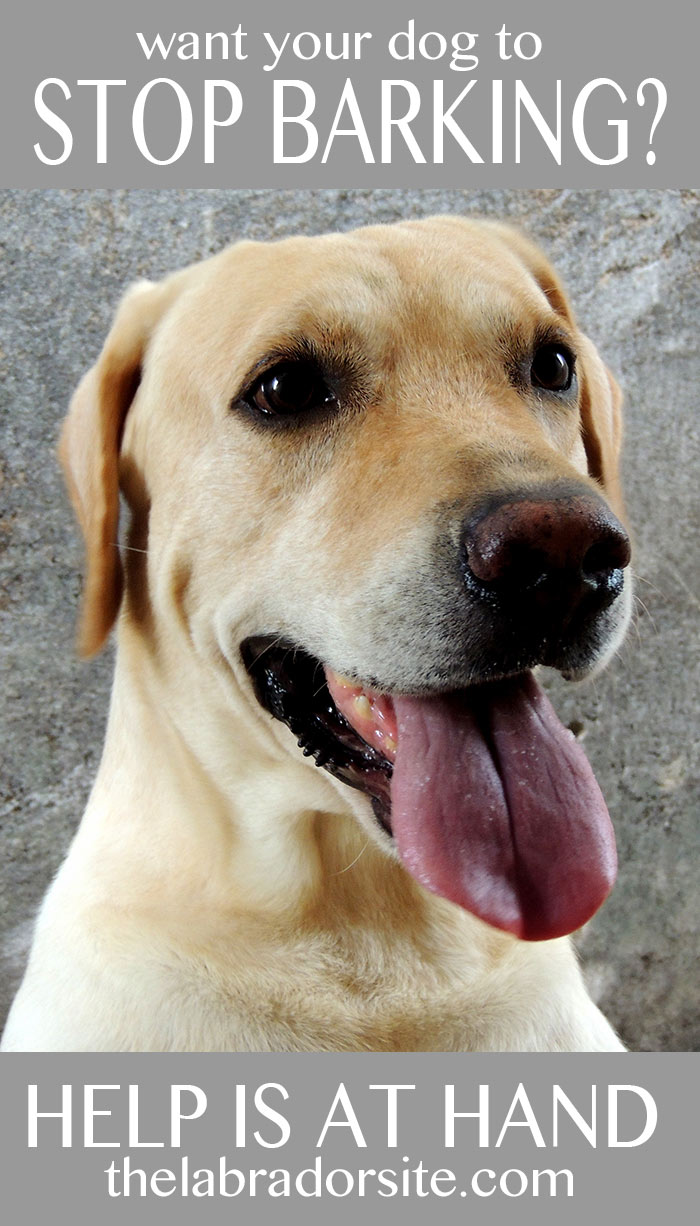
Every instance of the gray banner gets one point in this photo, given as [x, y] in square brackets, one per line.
[513, 94]
[560, 1139]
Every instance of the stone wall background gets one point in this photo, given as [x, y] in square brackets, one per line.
[631, 260]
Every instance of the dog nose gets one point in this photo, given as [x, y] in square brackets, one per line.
[546, 555]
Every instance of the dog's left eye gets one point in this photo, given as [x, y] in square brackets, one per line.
[288, 389]
[552, 368]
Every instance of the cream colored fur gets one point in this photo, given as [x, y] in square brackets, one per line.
[222, 893]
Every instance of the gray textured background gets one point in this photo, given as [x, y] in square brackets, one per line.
[631, 261]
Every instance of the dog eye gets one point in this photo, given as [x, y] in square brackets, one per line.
[289, 389]
[552, 368]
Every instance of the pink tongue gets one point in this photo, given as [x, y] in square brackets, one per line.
[495, 806]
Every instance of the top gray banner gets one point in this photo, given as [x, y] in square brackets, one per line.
[518, 94]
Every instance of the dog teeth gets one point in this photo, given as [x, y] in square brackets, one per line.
[390, 744]
[362, 706]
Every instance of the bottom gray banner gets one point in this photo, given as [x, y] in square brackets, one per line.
[266, 1138]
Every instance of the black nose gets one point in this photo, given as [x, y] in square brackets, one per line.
[550, 556]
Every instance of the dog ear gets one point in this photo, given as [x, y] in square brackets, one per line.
[89, 453]
[601, 398]
[601, 418]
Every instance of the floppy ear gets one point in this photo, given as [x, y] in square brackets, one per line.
[601, 417]
[601, 398]
[89, 453]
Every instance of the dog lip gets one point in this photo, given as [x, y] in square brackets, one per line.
[290, 684]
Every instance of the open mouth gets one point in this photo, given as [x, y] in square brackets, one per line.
[490, 801]
[293, 686]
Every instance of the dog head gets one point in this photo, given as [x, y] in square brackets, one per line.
[374, 477]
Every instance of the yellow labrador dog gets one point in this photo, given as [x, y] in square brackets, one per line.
[371, 484]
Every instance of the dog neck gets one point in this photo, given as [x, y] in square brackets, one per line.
[203, 797]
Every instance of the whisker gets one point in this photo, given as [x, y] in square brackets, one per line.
[638, 600]
[643, 579]
[129, 548]
[267, 647]
[353, 862]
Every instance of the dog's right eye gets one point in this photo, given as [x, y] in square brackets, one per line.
[289, 389]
